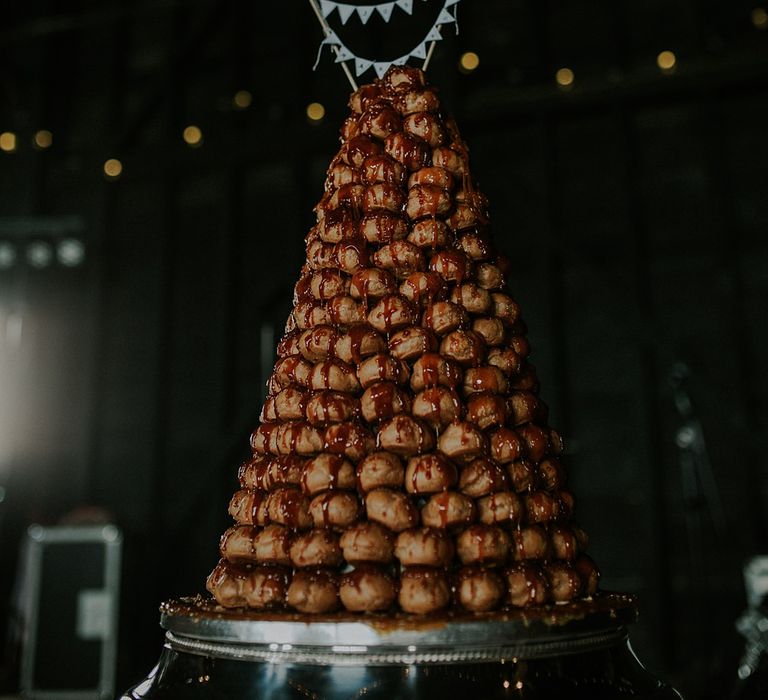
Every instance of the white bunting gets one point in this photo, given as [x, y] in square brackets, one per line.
[385, 10]
[445, 17]
[332, 38]
[344, 54]
[362, 65]
[365, 12]
[420, 51]
[345, 12]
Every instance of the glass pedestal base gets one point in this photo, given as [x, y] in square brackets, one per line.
[578, 650]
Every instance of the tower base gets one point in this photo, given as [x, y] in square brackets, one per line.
[575, 650]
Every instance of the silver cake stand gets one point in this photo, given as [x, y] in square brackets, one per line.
[575, 650]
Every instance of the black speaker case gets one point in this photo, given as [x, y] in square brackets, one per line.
[71, 574]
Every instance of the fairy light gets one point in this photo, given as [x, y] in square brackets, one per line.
[8, 142]
[70, 252]
[505, 684]
[8, 255]
[519, 685]
[113, 168]
[469, 61]
[242, 99]
[39, 254]
[192, 136]
[666, 61]
[315, 112]
[42, 139]
[564, 77]
[759, 18]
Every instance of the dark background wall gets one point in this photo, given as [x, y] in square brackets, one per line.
[633, 206]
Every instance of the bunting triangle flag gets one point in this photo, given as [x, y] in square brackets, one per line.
[365, 13]
[345, 11]
[405, 5]
[385, 10]
[332, 38]
[362, 65]
[445, 17]
[420, 51]
[344, 54]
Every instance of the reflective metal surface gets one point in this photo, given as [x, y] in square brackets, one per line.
[199, 626]
[565, 651]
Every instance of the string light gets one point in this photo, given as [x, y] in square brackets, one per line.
[242, 99]
[315, 112]
[8, 142]
[469, 61]
[760, 18]
[70, 252]
[42, 139]
[505, 684]
[666, 61]
[7, 255]
[519, 685]
[193, 136]
[564, 77]
[39, 254]
[113, 168]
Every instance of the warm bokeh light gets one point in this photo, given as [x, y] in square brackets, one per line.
[242, 99]
[564, 77]
[315, 112]
[8, 142]
[469, 61]
[760, 18]
[666, 61]
[43, 138]
[193, 136]
[113, 168]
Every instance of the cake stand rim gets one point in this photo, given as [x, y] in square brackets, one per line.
[200, 622]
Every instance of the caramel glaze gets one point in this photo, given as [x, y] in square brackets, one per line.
[325, 407]
[357, 149]
[404, 348]
[368, 588]
[383, 400]
[379, 120]
[477, 588]
[327, 471]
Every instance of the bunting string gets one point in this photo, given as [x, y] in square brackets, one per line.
[328, 31]
[447, 15]
[364, 12]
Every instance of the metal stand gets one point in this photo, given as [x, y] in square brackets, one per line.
[575, 650]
